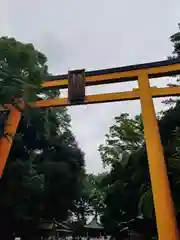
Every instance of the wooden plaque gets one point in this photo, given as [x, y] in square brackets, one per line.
[76, 86]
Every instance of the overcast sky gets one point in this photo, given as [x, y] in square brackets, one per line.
[94, 34]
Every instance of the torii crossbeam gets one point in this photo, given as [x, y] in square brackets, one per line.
[165, 216]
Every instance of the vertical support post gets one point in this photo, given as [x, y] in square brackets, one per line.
[9, 131]
[164, 210]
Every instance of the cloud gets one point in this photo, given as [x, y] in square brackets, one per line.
[94, 34]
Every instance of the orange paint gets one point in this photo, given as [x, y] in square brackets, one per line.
[6, 141]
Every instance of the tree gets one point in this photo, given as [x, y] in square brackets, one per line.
[22, 70]
[129, 176]
[125, 136]
[82, 205]
[175, 39]
[40, 180]
[129, 193]
[97, 193]
[91, 197]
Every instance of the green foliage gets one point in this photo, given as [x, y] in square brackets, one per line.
[40, 180]
[22, 70]
[91, 197]
[175, 39]
[125, 136]
[97, 193]
[128, 193]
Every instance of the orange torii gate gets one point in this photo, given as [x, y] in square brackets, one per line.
[76, 81]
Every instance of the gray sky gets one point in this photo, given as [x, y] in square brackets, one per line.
[94, 34]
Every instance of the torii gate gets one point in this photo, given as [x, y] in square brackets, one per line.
[76, 82]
